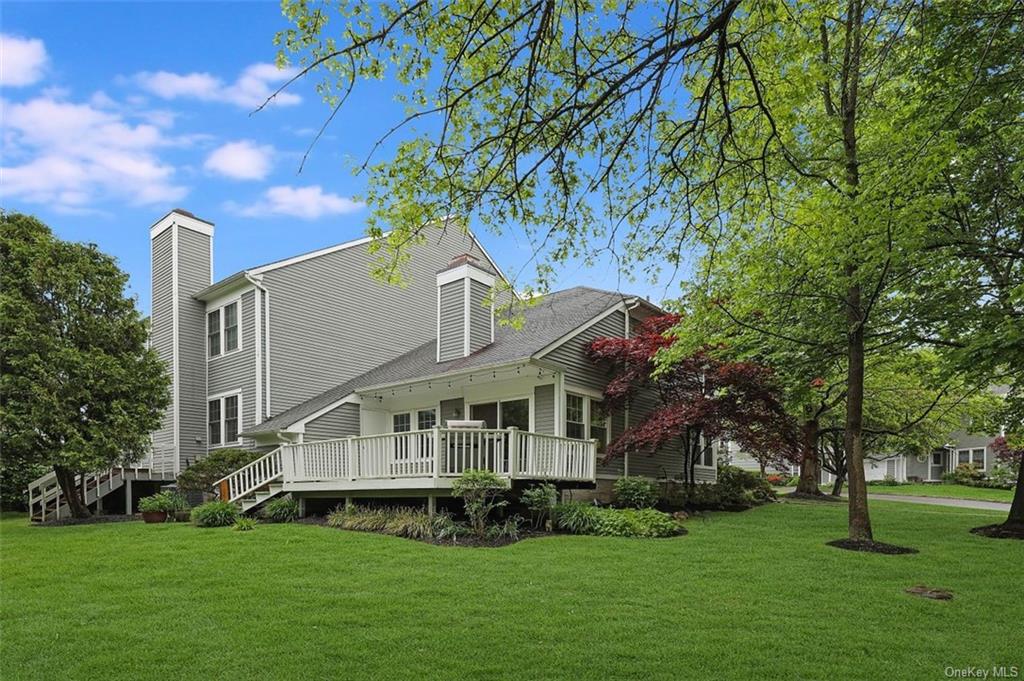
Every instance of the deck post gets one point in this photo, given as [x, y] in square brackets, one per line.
[437, 452]
[302, 507]
[431, 505]
[513, 450]
[593, 459]
[128, 496]
[348, 503]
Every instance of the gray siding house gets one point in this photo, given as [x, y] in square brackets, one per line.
[350, 387]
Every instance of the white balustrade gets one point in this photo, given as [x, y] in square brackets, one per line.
[439, 452]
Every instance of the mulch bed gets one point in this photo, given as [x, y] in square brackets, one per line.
[871, 547]
[92, 520]
[805, 496]
[1000, 531]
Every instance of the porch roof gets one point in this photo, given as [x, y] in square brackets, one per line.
[553, 317]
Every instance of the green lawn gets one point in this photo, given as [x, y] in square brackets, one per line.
[944, 491]
[748, 595]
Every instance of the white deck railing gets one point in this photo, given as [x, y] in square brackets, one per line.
[441, 453]
[250, 477]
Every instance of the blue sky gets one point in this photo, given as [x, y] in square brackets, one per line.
[113, 113]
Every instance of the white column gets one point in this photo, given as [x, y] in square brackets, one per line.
[128, 496]
[431, 504]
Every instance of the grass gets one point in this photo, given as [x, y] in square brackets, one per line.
[944, 491]
[747, 595]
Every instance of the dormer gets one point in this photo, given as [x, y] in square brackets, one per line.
[465, 310]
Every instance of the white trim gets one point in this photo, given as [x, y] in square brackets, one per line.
[220, 320]
[618, 306]
[237, 392]
[231, 293]
[465, 271]
[299, 426]
[174, 345]
[970, 455]
[176, 219]
[438, 336]
[266, 360]
[313, 254]
[258, 350]
[466, 337]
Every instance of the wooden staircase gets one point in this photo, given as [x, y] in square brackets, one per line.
[46, 500]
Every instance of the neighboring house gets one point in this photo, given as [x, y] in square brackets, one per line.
[961, 448]
[356, 388]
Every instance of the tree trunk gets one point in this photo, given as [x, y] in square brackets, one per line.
[1016, 517]
[837, 486]
[860, 522]
[809, 471]
[72, 492]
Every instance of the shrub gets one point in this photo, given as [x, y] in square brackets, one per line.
[576, 517]
[539, 500]
[777, 479]
[581, 518]
[244, 524]
[168, 501]
[635, 492]
[1003, 476]
[506, 529]
[446, 529]
[200, 476]
[215, 514]
[966, 473]
[736, 489]
[283, 510]
[481, 492]
[412, 523]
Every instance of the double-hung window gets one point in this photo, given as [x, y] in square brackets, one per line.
[222, 420]
[974, 455]
[575, 421]
[586, 419]
[222, 330]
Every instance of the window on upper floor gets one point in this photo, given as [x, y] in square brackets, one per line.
[222, 420]
[213, 333]
[222, 330]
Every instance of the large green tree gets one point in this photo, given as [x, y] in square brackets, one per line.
[644, 128]
[80, 391]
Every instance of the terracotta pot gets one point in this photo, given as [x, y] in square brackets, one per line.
[154, 516]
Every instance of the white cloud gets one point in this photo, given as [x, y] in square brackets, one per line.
[249, 91]
[308, 203]
[243, 160]
[22, 60]
[70, 155]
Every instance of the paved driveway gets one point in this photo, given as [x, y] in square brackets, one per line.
[930, 501]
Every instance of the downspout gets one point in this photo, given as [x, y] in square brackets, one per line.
[262, 326]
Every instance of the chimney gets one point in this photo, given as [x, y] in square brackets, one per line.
[465, 313]
[182, 264]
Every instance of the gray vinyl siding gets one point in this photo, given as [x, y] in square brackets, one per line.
[452, 409]
[617, 465]
[963, 440]
[194, 251]
[161, 329]
[340, 422]
[667, 461]
[571, 355]
[544, 409]
[479, 316]
[331, 321]
[237, 370]
[452, 339]
[918, 469]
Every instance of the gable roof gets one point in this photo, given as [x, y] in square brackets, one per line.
[291, 260]
[553, 317]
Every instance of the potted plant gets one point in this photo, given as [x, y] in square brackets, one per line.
[157, 507]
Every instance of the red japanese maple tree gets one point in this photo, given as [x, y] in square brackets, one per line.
[699, 399]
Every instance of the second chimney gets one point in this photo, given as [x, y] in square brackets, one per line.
[465, 311]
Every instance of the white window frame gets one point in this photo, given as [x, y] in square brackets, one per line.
[220, 397]
[220, 320]
[970, 456]
[498, 400]
[588, 399]
[414, 415]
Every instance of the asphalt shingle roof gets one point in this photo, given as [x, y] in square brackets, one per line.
[552, 317]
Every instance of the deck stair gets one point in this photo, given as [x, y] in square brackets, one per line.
[253, 484]
[47, 501]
